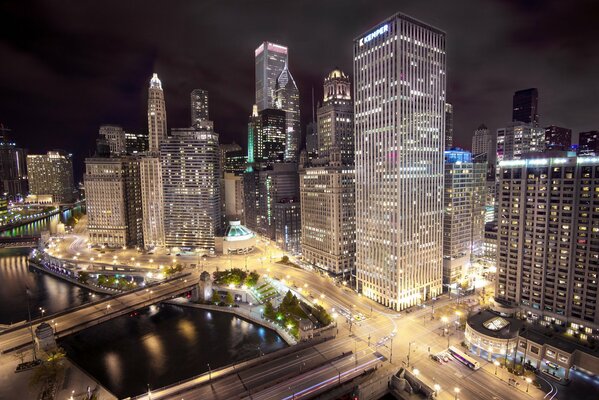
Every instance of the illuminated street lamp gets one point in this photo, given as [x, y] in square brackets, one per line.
[496, 363]
[437, 388]
[457, 391]
[528, 380]
[416, 371]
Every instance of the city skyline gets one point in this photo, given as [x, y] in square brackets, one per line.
[478, 95]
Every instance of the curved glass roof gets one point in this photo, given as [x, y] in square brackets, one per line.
[496, 324]
[236, 231]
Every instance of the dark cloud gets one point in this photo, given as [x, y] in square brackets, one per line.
[68, 66]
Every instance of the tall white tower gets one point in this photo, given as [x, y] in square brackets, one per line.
[156, 113]
[399, 93]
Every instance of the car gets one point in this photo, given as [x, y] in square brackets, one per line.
[445, 358]
[436, 358]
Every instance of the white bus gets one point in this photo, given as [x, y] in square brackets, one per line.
[464, 358]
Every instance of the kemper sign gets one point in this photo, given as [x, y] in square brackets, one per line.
[374, 34]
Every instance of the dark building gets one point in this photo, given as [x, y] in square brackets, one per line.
[448, 126]
[136, 143]
[588, 143]
[526, 106]
[13, 180]
[558, 138]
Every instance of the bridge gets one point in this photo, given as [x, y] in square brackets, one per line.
[12, 242]
[73, 320]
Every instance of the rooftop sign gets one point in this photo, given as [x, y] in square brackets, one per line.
[374, 34]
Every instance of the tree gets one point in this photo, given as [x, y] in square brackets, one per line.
[252, 279]
[269, 311]
[215, 297]
[50, 368]
[229, 299]
[285, 259]
[102, 280]
[83, 277]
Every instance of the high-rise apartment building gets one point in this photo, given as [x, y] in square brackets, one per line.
[199, 107]
[113, 200]
[191, 178]
[518, 139]
[448, 126]
[526, 107]
[480, 205]
[150, 168]
[271, 59]
[13, 179]
[327, 190]
[558, 138]
[287, 99]
[399, 94]
[115, 138]
[51, 174]
[588, 143]
[547, 257]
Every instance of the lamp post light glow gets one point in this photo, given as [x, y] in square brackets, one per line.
[457, 391]
[528, 381]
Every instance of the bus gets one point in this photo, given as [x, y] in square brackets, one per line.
[464, 358]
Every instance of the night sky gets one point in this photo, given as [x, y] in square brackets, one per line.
[66, 67]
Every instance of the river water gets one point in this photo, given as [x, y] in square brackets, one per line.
[159, 345]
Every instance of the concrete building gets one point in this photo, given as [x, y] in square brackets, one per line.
[483, 142]
[115, 138]
[51, 174]
[399, 94]
[490, 244]
[199, 107]
[234, 197]
[113, 194]
[558, 138]
[237, 240]
[191, 179]
[526, 107]
[327, 189]
[150, 168]
[547, 242]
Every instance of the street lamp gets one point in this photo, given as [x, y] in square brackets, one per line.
[528, 380]
[457, 391]
[437, 388]
[409, 351]
[496, 363]
[416, 371]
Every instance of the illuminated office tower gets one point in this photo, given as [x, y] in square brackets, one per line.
[150, 169]
[287, 99]
[518, 139]
[266, 137]
[399, 68]
[271, 60]
[51, 174]
[199, 107]
[136, 143]
[547, 256]
[191, 177]
[327, 189]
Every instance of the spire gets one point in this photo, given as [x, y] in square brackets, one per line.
[285, 77]
[155, 82]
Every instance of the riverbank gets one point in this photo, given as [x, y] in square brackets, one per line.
[74, 281]
[23, 222]
[244, 311]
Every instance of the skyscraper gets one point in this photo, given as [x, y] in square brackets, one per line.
[13, 180]
[136, 143]
[51, 174]
[199, 107]
[191, 179]
[327, 190]
[335, 119]
[400, 78]
[156, 114]
[483, 143]
[448, 126]
[526, 107]
[558, 138]
[267, 141]
[270, 60]
[588, 143]
[287, 99]
[547, 240]
[150, 169]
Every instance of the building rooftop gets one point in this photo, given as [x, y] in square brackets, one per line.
[235, 231]
[494, 325]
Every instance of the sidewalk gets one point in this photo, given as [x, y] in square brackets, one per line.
[504, 376]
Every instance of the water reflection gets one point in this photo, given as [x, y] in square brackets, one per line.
[173, 344]
[34, 228]
[46, 291]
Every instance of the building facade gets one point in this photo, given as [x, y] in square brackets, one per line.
[136, 143]
[270, 60]
[517, 139]
[558, 138]
[399, 94]
[13, 178]
[115, 138]
[199, 107]
[448, 126]
[588, 143]
[191, 178]
[526, 107]
[287, 99]
[548, 240]
[113, 200]
[51, 174]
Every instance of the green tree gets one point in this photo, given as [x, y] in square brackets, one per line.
[252, 279]
[215, 297]
[229, 299]
[102, 280]
[51, 367]
[83, 277]
[269, 311]
[285, 259]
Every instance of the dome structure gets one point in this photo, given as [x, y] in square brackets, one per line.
[237, 239]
